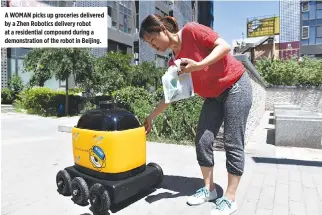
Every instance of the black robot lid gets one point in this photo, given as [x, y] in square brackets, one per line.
[114, 119]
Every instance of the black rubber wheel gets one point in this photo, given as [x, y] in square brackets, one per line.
[160, 174]
[63, 182]
[80, 192]
[99, 199]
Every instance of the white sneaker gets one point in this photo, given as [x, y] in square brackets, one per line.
[201, 196]
[224, 206]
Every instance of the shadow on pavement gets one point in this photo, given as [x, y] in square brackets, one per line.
[287, 161]
[182, 186]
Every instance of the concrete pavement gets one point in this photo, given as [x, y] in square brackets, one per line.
[277, 180]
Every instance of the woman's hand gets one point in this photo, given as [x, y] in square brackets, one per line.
[188, 65]
[148, 125]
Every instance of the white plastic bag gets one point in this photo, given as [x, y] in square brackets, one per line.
[177, 87]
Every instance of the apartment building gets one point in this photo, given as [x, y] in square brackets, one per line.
[289, 21]
[181, 10]
[4, 80]
[121, 24]
[311, 28]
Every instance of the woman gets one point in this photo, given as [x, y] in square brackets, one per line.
[225, 86]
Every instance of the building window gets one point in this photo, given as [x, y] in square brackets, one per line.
[305, 16]
[319, 31]
[319, 14]
[312, 34]
[319, 5]
[305, 32]
[305, 6]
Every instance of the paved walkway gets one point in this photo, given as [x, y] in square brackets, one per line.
[277, 180]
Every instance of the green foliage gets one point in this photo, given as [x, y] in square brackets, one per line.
[129, 97]
[7, 96]
[44, 101]
[15, 84]
[111, 72]
[291, 72]
[76, 62]
[75, 90]
[146, 75]
[37, 63]
[178, 122]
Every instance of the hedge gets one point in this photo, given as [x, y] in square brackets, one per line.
[7, 96]
[46, 102]
[178, 123]
[306, 72]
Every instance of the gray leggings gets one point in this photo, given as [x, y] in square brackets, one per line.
[231, 107]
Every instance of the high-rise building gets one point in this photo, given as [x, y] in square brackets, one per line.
[289, 20]
[181, 10]
[121, 24]
[4, 80]
[205, 13]
[311, 28]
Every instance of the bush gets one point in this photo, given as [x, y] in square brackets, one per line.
[15, 84]
[7, 96]
[179, 121]
[291, 72]
[46, 102]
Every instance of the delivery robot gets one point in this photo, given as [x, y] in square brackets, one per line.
[109, 148]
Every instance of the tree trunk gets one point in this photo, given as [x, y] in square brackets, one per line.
[66, 102]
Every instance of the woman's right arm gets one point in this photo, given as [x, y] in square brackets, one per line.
[160, 108]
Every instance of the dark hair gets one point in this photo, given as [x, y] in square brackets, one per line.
[155, 23]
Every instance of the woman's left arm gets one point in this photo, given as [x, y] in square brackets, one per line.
[207, 37]
[221, 48]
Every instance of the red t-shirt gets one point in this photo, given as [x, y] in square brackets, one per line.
[197, 43]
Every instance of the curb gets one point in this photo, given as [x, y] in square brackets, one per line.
[65, 128]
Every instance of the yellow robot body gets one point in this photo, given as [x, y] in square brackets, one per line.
[111, 148]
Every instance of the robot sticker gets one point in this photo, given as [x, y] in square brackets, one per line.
[75, 135]
[97, 139]
[97, 157]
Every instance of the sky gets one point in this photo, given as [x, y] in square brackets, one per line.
[230, 16]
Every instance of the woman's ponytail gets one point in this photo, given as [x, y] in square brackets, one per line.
[171, 24]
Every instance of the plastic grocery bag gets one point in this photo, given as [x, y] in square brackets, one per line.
[177, 87]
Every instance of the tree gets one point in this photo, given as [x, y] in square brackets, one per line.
[112, 72]
[76, 62]
[146, 74]
[36, 62]
[60, 63]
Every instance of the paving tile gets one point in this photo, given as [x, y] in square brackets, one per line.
[295, 176]
[253, 193]
[297, 208]
[270, 179]
[313, 204]
[264, 212]
[280, 210]
[296, 191]
[266, 202]
[282, 176]
[258, 179]
[268, 191]
[249, 206]
[281, 194]
[307, 180]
